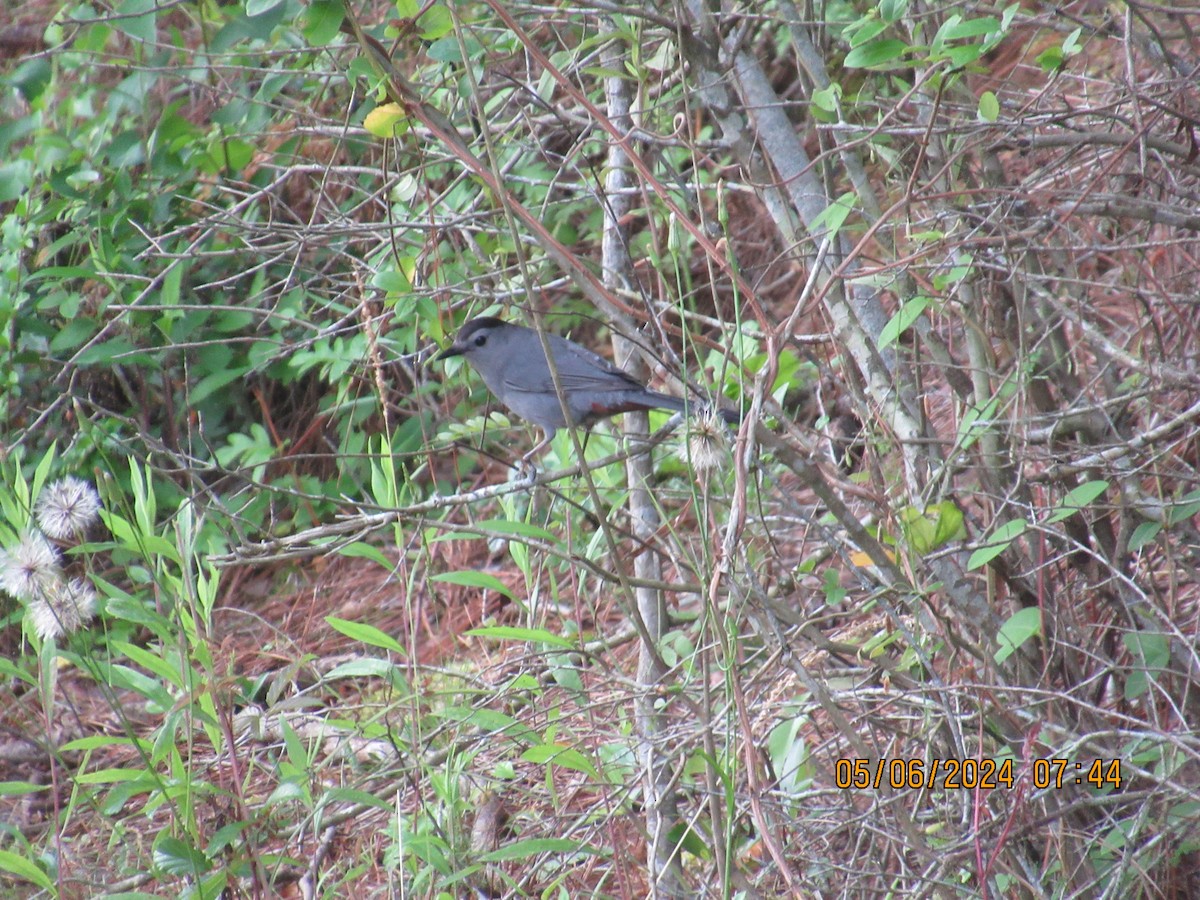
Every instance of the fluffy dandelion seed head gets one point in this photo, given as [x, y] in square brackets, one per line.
[67, 507]
[706, 443]
[66, 607]
[30, 569]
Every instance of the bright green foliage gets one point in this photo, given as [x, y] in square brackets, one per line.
[230, 238]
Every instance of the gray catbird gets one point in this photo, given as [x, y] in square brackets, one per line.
[510, 360]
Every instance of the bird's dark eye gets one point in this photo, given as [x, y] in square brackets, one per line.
[480, 340]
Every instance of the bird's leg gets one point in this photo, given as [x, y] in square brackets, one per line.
[525, 462]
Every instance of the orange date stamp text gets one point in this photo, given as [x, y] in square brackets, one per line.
[972, 774]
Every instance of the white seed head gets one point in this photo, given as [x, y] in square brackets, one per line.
[66, 607]
[31, 568]
[706, 443]
[67, 507]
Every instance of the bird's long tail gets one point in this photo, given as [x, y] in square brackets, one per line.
[693, 407]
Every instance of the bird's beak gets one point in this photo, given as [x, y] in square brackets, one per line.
[453, 350]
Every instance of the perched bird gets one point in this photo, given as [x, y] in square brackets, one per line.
[512, 364]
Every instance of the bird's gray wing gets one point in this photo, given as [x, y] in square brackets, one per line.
[579, 369]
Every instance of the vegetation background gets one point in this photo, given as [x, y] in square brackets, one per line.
[926, 625]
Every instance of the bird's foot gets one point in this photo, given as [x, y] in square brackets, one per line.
[524, 471]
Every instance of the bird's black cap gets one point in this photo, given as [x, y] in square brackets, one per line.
[459, 347]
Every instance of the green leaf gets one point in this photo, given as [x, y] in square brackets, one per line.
[322, 20]
[691, 840]
[531, 635]
[1152, 654]
[233, 155]
[297, 753]
[989, 107]
[1077, 498]
[604, 72]
[892, 10]
[567, 676]
[436, 22]
[1071, 45]
[114, 776]
[398, 281]
[366, 634]
[361, 798]
[867, 31]
[956, 273]
[361, 550]
[937, 525]
[535, 847]
[152, 662]
[98, 741]
[129, 608]
[138, 19]
[108, 352]
[908, 313]
[974, 423]
[1050, 59]
[831, 586]
[492, 721]
[15, 179]
[1020, 627]
[561, 755]
[32, 77]
[1184, 508]
[963, 55]
[834, 215]
[521, 529]
[42, 472]
[223, 838]
[258, 7]
[20, 788]
[363, 668]
[125, 151]
[73, 333]
[447, 50]
[175, 857]
[213, 382]
[956, 28]
[26, 870]
[1143, 534]
[1151, 649]
[469, 578]
[875, 53]
[828, 98]
[232, 321]
[1000, 540]
[124, 677]
[143, 543]
[9, 670]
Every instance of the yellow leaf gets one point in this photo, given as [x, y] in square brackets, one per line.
[862, 559]
[383, 120]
